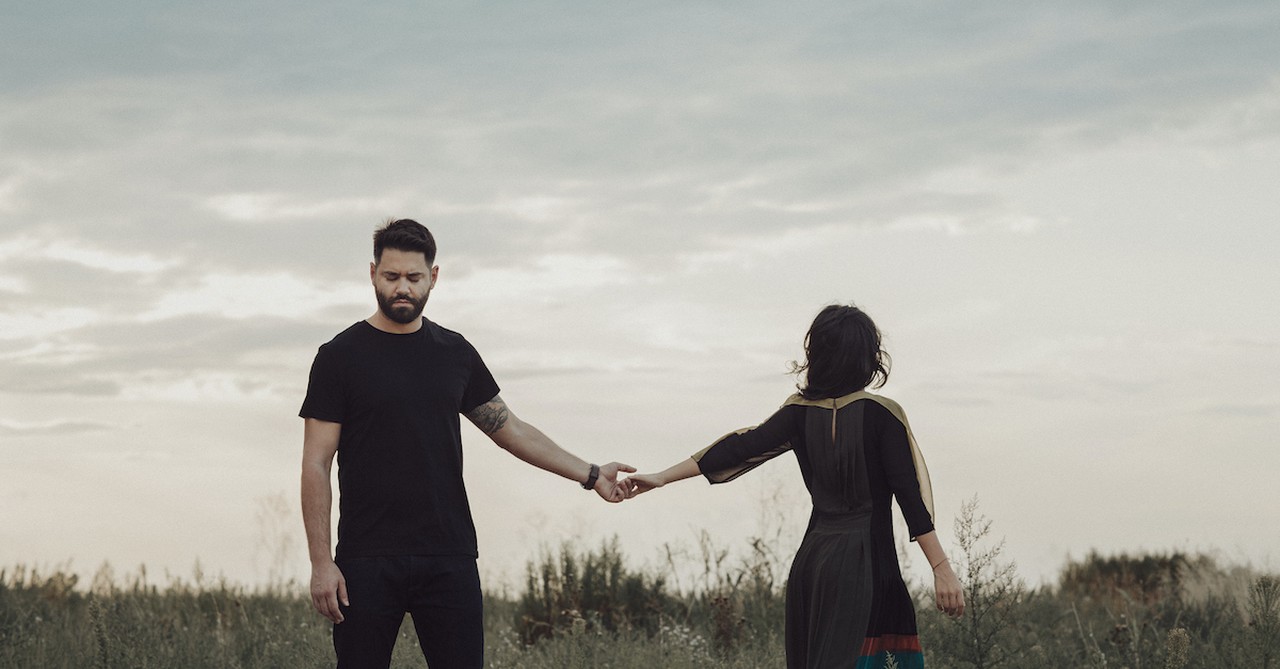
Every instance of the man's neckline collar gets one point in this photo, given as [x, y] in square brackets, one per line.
[428, 329]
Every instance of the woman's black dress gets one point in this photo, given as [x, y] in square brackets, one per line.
[847, 605]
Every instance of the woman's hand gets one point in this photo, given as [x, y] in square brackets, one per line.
[947, 591]
[642, 483]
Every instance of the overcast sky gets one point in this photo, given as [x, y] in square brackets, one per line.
[1063, 218]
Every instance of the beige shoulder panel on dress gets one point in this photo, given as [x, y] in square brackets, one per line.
[837, 403]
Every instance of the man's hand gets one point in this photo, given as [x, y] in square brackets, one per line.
[608, 487]
[328, 587]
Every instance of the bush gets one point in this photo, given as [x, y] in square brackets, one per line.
[589, 591]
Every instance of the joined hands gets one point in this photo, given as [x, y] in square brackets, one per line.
[612, 489]
[638, 484]
[609, 488]
[616, 490]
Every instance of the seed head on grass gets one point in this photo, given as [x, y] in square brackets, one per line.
[1176, 646]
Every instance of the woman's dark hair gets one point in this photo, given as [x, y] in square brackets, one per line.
[404, 235]
[842, 354]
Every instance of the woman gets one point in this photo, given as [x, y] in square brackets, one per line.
[847, 605]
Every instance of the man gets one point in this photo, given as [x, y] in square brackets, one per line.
[384, 396]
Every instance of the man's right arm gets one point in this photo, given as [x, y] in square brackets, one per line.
[319, 445]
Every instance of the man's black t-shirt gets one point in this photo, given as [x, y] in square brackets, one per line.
[398, 398]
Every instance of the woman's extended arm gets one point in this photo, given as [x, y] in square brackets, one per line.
[947, 592]
[685, 469]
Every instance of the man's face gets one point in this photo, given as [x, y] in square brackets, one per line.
[402, 281]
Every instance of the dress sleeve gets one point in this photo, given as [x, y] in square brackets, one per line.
[900, 471]
[741, 451]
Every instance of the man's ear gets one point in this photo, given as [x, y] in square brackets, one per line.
[373, 270]
[435, 274]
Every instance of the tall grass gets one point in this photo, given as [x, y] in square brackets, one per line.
[582, 606]
[45, 621]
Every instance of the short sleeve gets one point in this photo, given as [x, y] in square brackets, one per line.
[326, 397]
[481, 387]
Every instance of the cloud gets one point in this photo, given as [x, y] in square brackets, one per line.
[523, 373]
[1242, 410]
[9, 194]
[94, 258]
[53, 428]
[611, 132]
[187, 355]
[259, 207]
[19, 325]
[248, 295]
[36, 380]
[57, 294]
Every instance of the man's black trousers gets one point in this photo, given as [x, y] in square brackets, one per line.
[441, 593]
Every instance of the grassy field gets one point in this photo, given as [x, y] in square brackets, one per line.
[582, 606]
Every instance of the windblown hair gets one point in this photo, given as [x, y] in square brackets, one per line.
[404, 235]
[842, 354]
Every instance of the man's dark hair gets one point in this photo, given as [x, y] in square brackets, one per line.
[404, 234]
[842, 354]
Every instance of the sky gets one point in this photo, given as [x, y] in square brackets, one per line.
[1063, 216]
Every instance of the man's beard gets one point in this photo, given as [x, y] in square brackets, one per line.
[401, 313]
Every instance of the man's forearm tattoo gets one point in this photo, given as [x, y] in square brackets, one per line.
[490, 416]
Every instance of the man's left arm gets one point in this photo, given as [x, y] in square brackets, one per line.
[528, 443]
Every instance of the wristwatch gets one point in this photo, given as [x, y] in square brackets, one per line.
[591, 478]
